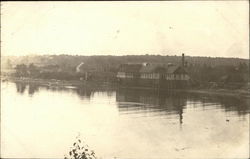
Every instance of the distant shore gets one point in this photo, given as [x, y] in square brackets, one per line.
[89, 84]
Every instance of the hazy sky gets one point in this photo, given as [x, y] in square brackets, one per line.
[118, 28]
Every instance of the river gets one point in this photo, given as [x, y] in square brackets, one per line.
[42, 122]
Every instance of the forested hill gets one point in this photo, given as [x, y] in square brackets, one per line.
[115, 61]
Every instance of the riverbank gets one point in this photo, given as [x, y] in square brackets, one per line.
[94, 84]
[59, 83]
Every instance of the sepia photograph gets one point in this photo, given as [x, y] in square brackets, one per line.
[125, 80]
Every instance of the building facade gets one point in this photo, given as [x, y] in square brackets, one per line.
[153, 75]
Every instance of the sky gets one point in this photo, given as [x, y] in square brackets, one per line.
[196, 28]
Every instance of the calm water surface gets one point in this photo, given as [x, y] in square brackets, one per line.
[43, 122]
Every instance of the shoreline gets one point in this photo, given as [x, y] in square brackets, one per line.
[88, 84]
[57, 83]
[215, 92]
[221, 92]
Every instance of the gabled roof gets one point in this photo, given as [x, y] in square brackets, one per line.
[153, 68]
[172, 69]
[130, 67]
[176, 70]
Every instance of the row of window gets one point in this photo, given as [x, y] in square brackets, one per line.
[154, 76]
[165, 76]
[150, 76]
[124, 75]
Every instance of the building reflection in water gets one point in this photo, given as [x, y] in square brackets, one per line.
[151, 102]
[226, 103]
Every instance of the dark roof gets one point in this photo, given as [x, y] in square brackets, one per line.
[130, 67]
[172, 69]
[151, 68]
[176, 70]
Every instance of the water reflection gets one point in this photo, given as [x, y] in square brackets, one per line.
[151, 102]
[20, 87]
[229, 104]
[147, 121]
[33, 88]
[164, 102]
[84, 93]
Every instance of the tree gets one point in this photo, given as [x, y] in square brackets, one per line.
[9, 65]
[21, 70]
[243, 68]
[33, 70]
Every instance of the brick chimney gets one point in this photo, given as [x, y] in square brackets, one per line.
[183, 60]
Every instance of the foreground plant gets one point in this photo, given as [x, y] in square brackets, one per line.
[80, 150]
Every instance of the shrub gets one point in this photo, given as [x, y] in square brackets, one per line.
[80, 150]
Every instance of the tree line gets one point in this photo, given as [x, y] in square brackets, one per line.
[200, 69]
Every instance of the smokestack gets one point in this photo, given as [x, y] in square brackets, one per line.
[183, 60]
